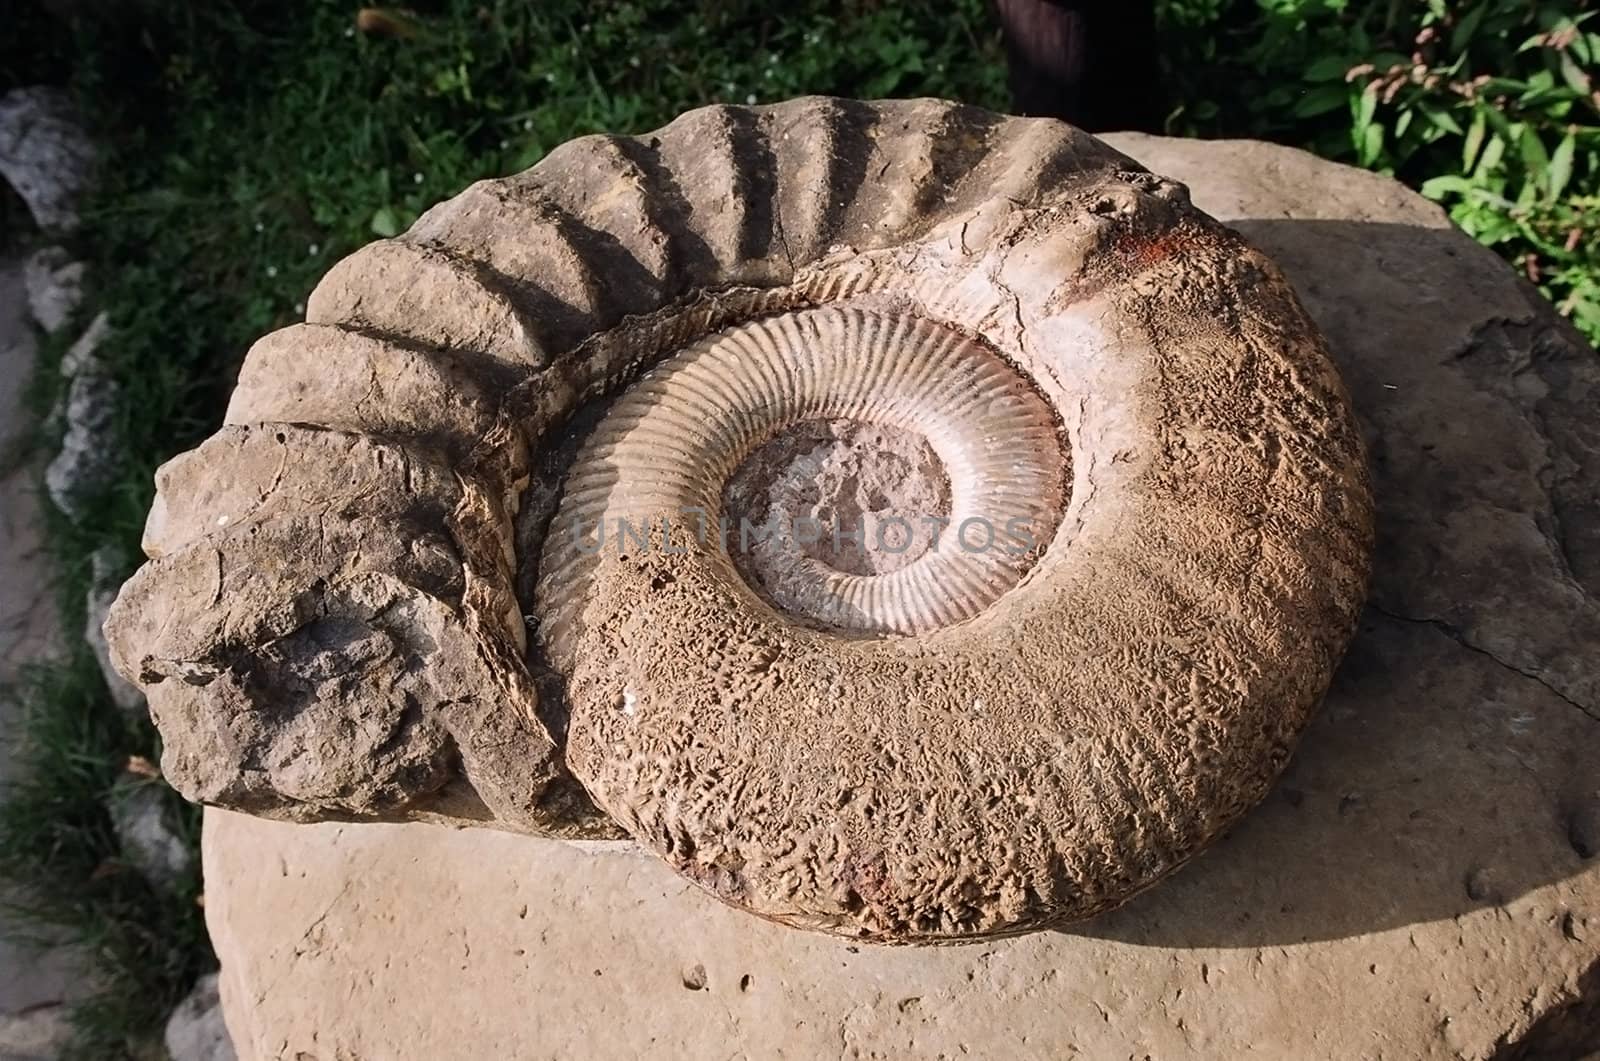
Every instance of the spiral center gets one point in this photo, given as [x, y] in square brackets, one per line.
[872, 474]
[854, 497]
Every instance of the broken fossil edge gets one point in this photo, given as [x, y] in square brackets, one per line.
[332, 622]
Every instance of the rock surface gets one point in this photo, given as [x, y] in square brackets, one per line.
[40, 1034]
[148, 839]
[87, 461]
[44, 153]
[195, 1031]
[101, 594]
[102, 591]
[55, 287]
[1423, 883]
[28, 634]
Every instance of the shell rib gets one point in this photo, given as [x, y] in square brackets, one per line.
[666, 450]
[819, 307]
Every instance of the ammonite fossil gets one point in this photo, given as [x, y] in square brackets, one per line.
[909, 522]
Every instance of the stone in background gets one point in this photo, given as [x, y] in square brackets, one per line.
[47, 158]
[195, 1031]
[106, 566]
[45, 153]
[87, 461]
[30, 985]
[36, 1035]
[55, 287]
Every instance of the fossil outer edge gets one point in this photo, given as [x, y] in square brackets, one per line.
[339, 636]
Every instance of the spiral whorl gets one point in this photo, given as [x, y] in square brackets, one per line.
[909, 522]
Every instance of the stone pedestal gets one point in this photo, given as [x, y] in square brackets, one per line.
[1423, 883]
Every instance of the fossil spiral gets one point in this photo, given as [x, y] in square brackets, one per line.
[675, 438]
[909, 522]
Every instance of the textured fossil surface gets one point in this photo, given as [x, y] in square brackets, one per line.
[384, 591]
[1424, 880]
[673, 447]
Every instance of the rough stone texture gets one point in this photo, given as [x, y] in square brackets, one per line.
[55, 287]
[1056, 731]
[1423, 882]
[83, 356]
[87, 461]
[147, 835]
[347, 641]
[195, 1031]
[844, 476]
[44, 153]
[40, 1034]
[102, 591]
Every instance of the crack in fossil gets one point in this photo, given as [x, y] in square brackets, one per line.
[1460, 638]
[1540, 422]
[297, 949]
[1522, 336]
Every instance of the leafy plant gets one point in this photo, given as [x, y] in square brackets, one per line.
[1490, 107]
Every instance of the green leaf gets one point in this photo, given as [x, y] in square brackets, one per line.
[1366, 107]
[1437, 188]
[1560, 167]
[1574, 75]
[1441, 119]
[1501, 124]
[1487, 227]
[1328, 68]
[882, 84]
[1372, 144]
[1534, 156]
[1539, 83]
[385, 222]
[1582, 47]
[1321, 100]
[1585, 311]
[1461, 36]
[1474, 142]
[1489, 161]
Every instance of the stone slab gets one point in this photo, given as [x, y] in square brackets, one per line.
[1423, 883]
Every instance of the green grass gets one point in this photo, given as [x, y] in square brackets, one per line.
[250, 145]
[146, 946]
